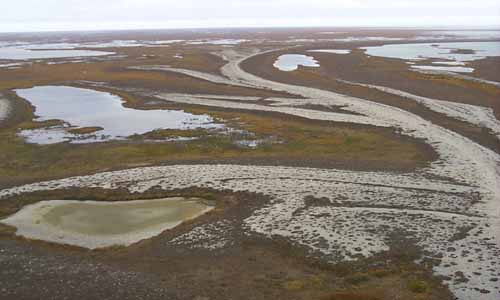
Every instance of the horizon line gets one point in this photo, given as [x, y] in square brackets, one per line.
[183, 28]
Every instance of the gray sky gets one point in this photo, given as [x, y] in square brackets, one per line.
[41, 15]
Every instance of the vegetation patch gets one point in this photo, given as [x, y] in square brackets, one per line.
[418, 286]
[162, 134]
[357, 278]
[85, 130]
[28, 125]
[294, 285]
[350, 296]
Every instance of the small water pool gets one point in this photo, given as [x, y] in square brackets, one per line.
[455, 69]
[291, 62]
[97, 224]
[334, 51]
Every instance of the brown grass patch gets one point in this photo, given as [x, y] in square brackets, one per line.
[349, 296]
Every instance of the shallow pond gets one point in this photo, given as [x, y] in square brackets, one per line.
[447, 51]
[93, 224]
[12, 65]
[478, 34]
[27, 51]
[81, 108]
[455, 69]
[334, 51]
[24, 53]
[218, 42]
[366, 38]
[449, 63]
[291, 62]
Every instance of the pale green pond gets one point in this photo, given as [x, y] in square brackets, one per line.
[93, 224]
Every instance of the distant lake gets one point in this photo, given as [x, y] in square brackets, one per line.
[447, 51]
[23, 53]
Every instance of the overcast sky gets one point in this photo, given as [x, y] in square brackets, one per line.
[42, 15]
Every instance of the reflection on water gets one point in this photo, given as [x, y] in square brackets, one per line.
[334, 51]
[449, 63]
[477, 34]
[455, 55]
[366, 38]
[447, 51]
[445, 68]
[81, 108]
[291, 62]
[218, 42]
[23, 53]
